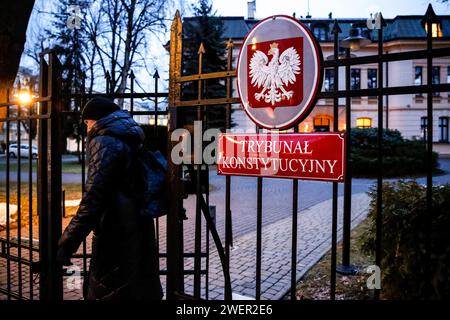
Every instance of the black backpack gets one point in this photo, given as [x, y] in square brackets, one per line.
[152, 191]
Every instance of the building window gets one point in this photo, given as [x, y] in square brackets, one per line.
[436, 79]
[423, 127]
[320, 32]
[448, 78]
[355, 83]
[372, 81]
[436, 31]
[443, 129]
[321, 124]
[364, 123]
[329, 80]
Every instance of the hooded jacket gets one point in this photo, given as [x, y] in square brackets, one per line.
[124, 263]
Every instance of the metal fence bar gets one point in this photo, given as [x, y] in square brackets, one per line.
[228, 216]
[346, 228]
[116, 95]
[42, 179]
[387, 57]
[379, 213]
[198, 213]
[430, 18]
[30, 202]
[388, 91]
[8, 199]
[334, 214]
[294, 236]
[156, 77]
[132, 77]
[258, 235]
[53, 218]
[19, 200]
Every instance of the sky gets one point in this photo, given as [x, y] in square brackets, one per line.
[321, 8]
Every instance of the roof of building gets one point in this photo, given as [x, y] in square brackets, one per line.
[400, 27]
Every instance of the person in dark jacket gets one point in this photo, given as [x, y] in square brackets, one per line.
[124, 263]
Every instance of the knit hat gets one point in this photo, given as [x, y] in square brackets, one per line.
[98, 108]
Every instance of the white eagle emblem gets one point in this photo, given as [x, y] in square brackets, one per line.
[274, 75]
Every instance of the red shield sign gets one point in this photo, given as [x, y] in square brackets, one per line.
[279, 73]
[286, 55]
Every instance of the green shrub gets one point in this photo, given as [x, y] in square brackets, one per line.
[403, 240]
[401, 157]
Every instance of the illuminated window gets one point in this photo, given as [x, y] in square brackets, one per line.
[436, 31]
[364, 123]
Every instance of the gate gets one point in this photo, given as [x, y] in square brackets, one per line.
[28, 243]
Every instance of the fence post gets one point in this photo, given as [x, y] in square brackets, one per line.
[175, 262]
[379, 216]
[429, 19]
[346, 267]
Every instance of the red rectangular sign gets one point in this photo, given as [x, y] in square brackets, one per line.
[310, 156]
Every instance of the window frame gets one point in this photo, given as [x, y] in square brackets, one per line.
[371, 83]
[436, 78]
[320, 31]
[354, 71]
[418, 75]
[330, 79]
[364, 125]
[424, 127]
[325, 122]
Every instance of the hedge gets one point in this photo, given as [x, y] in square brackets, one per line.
[401, 157]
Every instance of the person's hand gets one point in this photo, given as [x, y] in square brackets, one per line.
[63, 257]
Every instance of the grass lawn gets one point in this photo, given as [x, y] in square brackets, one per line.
[315, 285]
[67, 167]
